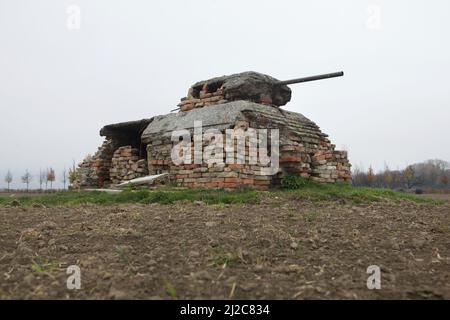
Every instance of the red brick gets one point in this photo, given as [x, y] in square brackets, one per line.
[319, 157]
[229, 185]
[187, 107]
[290, 159]
[212, 185]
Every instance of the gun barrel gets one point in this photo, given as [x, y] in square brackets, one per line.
[312, 78]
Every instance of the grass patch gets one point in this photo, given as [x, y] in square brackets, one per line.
[299, 187]
[163, 196]
[170, 289]
[311, 216]
[122, 252]
[44, 267]
[222, 257]
[317, 191]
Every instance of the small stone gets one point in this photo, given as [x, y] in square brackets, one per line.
[151, 262]
[117, 294]
[231, 280]
[258, 267]
[29, 278]
[202, 275]
[41, 244]
[194, 254]
[48, 225]
[107, 276]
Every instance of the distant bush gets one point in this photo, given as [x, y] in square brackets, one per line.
[293, 182]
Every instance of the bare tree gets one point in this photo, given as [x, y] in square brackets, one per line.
[27, 178]
[42, 178]
[387, 176]
[8, 178]
[444, 179]
[46, 180]
[64, 178]
[408, 176]
[72, 174]
[371, 178]
[51, 177]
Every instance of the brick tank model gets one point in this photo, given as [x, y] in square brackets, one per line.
[247, 103]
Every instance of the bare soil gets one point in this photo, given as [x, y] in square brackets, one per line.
[282, 248]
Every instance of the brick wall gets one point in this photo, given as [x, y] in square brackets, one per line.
[311, 157]
[205, 99]
[126, 165]
[93, 171]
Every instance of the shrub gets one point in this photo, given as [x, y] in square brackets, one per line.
[295, 182]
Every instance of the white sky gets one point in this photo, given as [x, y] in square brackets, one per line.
[136, 59]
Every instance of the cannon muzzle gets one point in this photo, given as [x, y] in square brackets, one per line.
[312, 78]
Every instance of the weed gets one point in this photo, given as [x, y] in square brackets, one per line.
[311, 216]
[44, 267]
[122, 252]
[222, 257]
[170, 290]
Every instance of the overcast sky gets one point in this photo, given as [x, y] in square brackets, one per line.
[135, 59]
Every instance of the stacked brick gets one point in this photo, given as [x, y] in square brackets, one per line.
[221, 176]
[331, 166]
[205, 175]
[126, 165]
[159, 156]
[205, 99]
[94, 170]
[304, 150]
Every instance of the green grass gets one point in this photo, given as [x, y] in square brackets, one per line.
[344, 191]
[164, 196]
[43, 267]
[308, 190]
[170, 289]
[222, 256]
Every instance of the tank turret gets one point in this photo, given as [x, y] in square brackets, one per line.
[249, 86]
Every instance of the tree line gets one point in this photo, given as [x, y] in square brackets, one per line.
[433, 174]
[45, 178]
